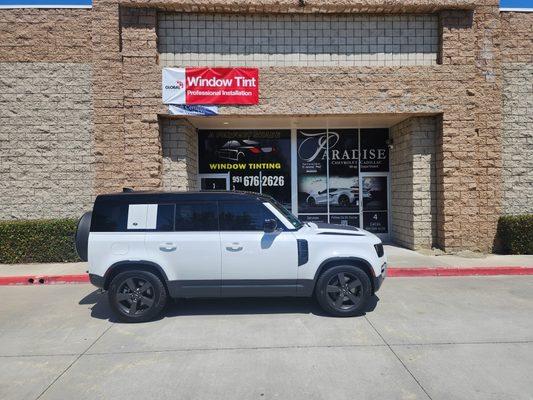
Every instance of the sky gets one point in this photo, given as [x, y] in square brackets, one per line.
[516, 4]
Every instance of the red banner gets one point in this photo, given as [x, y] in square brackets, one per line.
[211, 86]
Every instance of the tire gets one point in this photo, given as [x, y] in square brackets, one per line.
[82, 235]
[130, 303]
[344, 201]
[311, 201]
[355, 291]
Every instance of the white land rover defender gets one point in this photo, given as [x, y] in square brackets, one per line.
[144, 247]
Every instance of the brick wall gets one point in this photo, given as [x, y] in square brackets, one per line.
[517, 112]
[46, 161]
[180, 148]
[413, 182]
[297, 39]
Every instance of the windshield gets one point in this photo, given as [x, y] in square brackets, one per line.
[287, 214]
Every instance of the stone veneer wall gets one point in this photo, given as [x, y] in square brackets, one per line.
[46, 161]
[413, 182]
[180, 148]
[517, 111]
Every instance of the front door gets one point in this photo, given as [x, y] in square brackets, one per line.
[255, 263]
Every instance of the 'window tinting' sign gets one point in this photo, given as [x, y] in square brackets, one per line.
[46, 3]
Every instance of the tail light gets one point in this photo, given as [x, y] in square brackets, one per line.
[255, 150]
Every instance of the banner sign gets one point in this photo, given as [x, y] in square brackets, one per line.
[183, 109]
[232, 86]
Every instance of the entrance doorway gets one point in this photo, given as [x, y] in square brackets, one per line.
[375, 200]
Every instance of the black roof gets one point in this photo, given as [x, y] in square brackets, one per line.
[133, 197]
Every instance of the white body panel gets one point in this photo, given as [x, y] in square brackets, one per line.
[185, 255]
[259, 255]
[108, 248]
[341, 244]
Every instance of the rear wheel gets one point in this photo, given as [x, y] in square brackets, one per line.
[311, 201]
[343, 291]
[136, 296]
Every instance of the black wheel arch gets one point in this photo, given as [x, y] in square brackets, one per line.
[354, 261]
[129, 265]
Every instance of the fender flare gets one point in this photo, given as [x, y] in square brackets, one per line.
[122, 264]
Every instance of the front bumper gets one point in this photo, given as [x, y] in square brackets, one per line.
[378, 280]
[97, 280]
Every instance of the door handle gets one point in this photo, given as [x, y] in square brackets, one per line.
[168, 246]
[234, 247]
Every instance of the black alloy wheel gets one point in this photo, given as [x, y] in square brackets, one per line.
[343, 291]
[136, 296]
[311, 201]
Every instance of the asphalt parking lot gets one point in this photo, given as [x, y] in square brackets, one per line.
[436, 338]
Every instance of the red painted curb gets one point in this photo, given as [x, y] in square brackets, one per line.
[395, 272]
[458, 271]
[43, 279]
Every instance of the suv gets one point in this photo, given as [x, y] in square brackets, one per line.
[144, 247]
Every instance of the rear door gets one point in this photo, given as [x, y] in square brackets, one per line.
[189, 247]
[255, 263]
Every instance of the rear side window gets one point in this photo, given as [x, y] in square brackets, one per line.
[165, 217]
[198, 216]
[123, 217]
[244, 216]
[109, 217]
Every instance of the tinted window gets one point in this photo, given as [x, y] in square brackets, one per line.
[165, 217]
[244, 216]
[201, 216]
[109, 217]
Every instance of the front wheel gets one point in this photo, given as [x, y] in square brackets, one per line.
[343, 291]
[136, 296]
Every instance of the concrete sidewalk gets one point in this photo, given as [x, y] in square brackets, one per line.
[397, 256]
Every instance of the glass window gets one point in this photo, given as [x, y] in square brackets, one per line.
[296, 223]
[244, 216]
[165, 217]
[201, 216]
[109, 217]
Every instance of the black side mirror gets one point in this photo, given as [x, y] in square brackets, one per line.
[270, 225]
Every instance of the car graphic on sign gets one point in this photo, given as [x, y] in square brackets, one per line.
[239, 149]
[341, 196]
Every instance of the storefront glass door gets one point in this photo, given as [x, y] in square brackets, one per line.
[375, 202]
